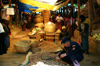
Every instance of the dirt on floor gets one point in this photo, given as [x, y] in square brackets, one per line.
[12, 58]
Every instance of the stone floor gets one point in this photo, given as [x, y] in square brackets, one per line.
[14, 59]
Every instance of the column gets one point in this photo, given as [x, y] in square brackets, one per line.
[78, 14]
[0, 10]
[10, 20]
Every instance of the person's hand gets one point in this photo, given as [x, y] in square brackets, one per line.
[63, 55]
[57, 58]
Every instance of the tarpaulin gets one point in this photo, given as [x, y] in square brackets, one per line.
[25, 7]
[42, 4]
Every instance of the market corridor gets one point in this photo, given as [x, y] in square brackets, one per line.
[12, 58]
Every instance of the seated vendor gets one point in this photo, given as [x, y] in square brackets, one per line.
[65, 33]
[72, 53]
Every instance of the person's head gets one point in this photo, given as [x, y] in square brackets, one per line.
[63, 28]
[4, 21]
[82, 18]
[65, 42]
[59, 15]
[71, 17]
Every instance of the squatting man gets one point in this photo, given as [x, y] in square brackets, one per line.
[72, 53]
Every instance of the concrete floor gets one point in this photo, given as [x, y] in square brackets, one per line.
[14, 59]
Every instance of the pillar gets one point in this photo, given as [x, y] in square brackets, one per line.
[72, 8]
[0, 10]
[16, 13]
[90, 15]
[78, 13]
[10, 20]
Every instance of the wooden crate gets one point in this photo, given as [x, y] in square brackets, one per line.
[57, 35]
[50, 35]
[51, 39]
[56, 40]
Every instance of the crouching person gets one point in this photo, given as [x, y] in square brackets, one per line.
[72, 53]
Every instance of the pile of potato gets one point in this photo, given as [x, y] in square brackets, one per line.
[44, 59]
[48, 46]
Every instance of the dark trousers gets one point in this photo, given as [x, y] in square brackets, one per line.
[67, 59]
[59, 25]
[3, 48]
[70, 61]
[7, 41]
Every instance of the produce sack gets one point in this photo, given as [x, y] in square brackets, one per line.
[50, 27]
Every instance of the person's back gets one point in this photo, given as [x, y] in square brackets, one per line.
[66, 20]
[5, 29]
[72, 53]
[77, 51]
[65, 33]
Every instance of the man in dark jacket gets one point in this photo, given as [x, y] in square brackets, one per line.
[72, 53]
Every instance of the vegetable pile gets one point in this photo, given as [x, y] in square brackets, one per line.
[97, 36]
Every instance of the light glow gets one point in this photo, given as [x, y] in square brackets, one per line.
[49, 23]
[51, 2]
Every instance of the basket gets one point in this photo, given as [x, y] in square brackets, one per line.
[34, 50]
[22, 49]
[38, 19]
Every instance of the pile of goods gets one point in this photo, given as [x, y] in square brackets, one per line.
[44, 59]
[45, 46]
[77, 36]
[49, 47]
[13, 26]
[58, 31]
[34, 31]
[35, 47]
[97, 36]
[50, 27]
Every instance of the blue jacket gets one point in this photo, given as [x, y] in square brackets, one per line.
[74, 51]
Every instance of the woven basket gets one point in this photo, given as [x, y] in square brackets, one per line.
[22, 49]
[34, 50]
[38, 19]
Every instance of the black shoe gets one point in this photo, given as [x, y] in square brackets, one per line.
[71, 65]
[83, 51]
[87, 52]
